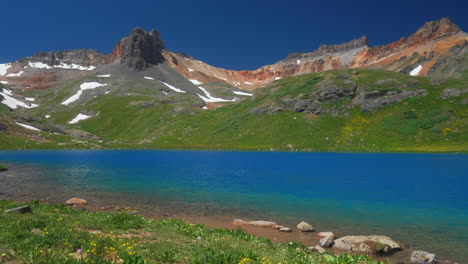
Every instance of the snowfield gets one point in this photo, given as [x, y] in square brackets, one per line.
[210, 99]
[3, 82]
[83, 86]
[4, 68]
[242, 93]
[104, 76]
[75, 67]
[278, 78]
[173, 88]
[149, 78]
[195, 82]
[415, 71]
[15, 74]
[78, 118]
[39, 65]
[12, 102]
[27, 126]
[30, 99]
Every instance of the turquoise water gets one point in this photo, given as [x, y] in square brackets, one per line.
[418, 199]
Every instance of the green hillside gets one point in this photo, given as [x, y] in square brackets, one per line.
[338, 110]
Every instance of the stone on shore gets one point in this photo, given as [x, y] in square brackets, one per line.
[285, 229]
[326, 234]
[76, 201]
[372, 245]
[423, 257]
[22, 210]
[305, 227]
[318, 249]
[326, 242]
[259, 223]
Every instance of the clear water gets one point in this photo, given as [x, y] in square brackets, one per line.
[418, 199]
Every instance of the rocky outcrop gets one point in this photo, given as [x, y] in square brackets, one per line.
[66, 59]
[139, 50]
[452, 92]
[324, 49]
[423, 257]
[374, 100]
[372, 245]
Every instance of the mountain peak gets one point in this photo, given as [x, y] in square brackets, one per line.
[435, 29]
[140, 49]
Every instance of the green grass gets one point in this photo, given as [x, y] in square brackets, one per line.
[426, 123]
[3, 168]
[55, 233]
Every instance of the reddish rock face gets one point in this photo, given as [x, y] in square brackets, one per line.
[425, 46]
[76, 201]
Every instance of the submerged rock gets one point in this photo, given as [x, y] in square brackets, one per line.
[423, 257]
[285, 229]
[373, 245]
[305, 227]
[325, 234]
[76, 201]
[260, 223]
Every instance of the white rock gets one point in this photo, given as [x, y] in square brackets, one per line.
[423, 257]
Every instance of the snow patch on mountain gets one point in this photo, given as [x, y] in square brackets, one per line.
[149, 78]
[39, 65]
[208, 98]
[104, 76]
[195, 82]
[15, 74]
[30, 99]
[242, 93]
[78, 118]
[83, 86]
[4, 68]
[173, 88]
[190, 70]
[416, 71]
[13, 103]
[4, 82]
[27, 126]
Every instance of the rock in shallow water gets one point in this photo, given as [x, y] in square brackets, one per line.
[373, 245]
[423, 257]
[305, 227]
[76, 201]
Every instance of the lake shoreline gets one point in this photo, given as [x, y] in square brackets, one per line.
[309, 239]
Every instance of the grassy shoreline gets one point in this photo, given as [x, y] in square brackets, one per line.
[61, 234]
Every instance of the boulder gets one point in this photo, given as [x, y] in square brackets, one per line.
[260, 223]
[22, 210]
[305, 227]
[285, 229]
[423, 257]
[76, 201]
[326, 242]
[318, 249]
[372, 245]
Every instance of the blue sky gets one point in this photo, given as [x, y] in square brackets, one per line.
[237, 34]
